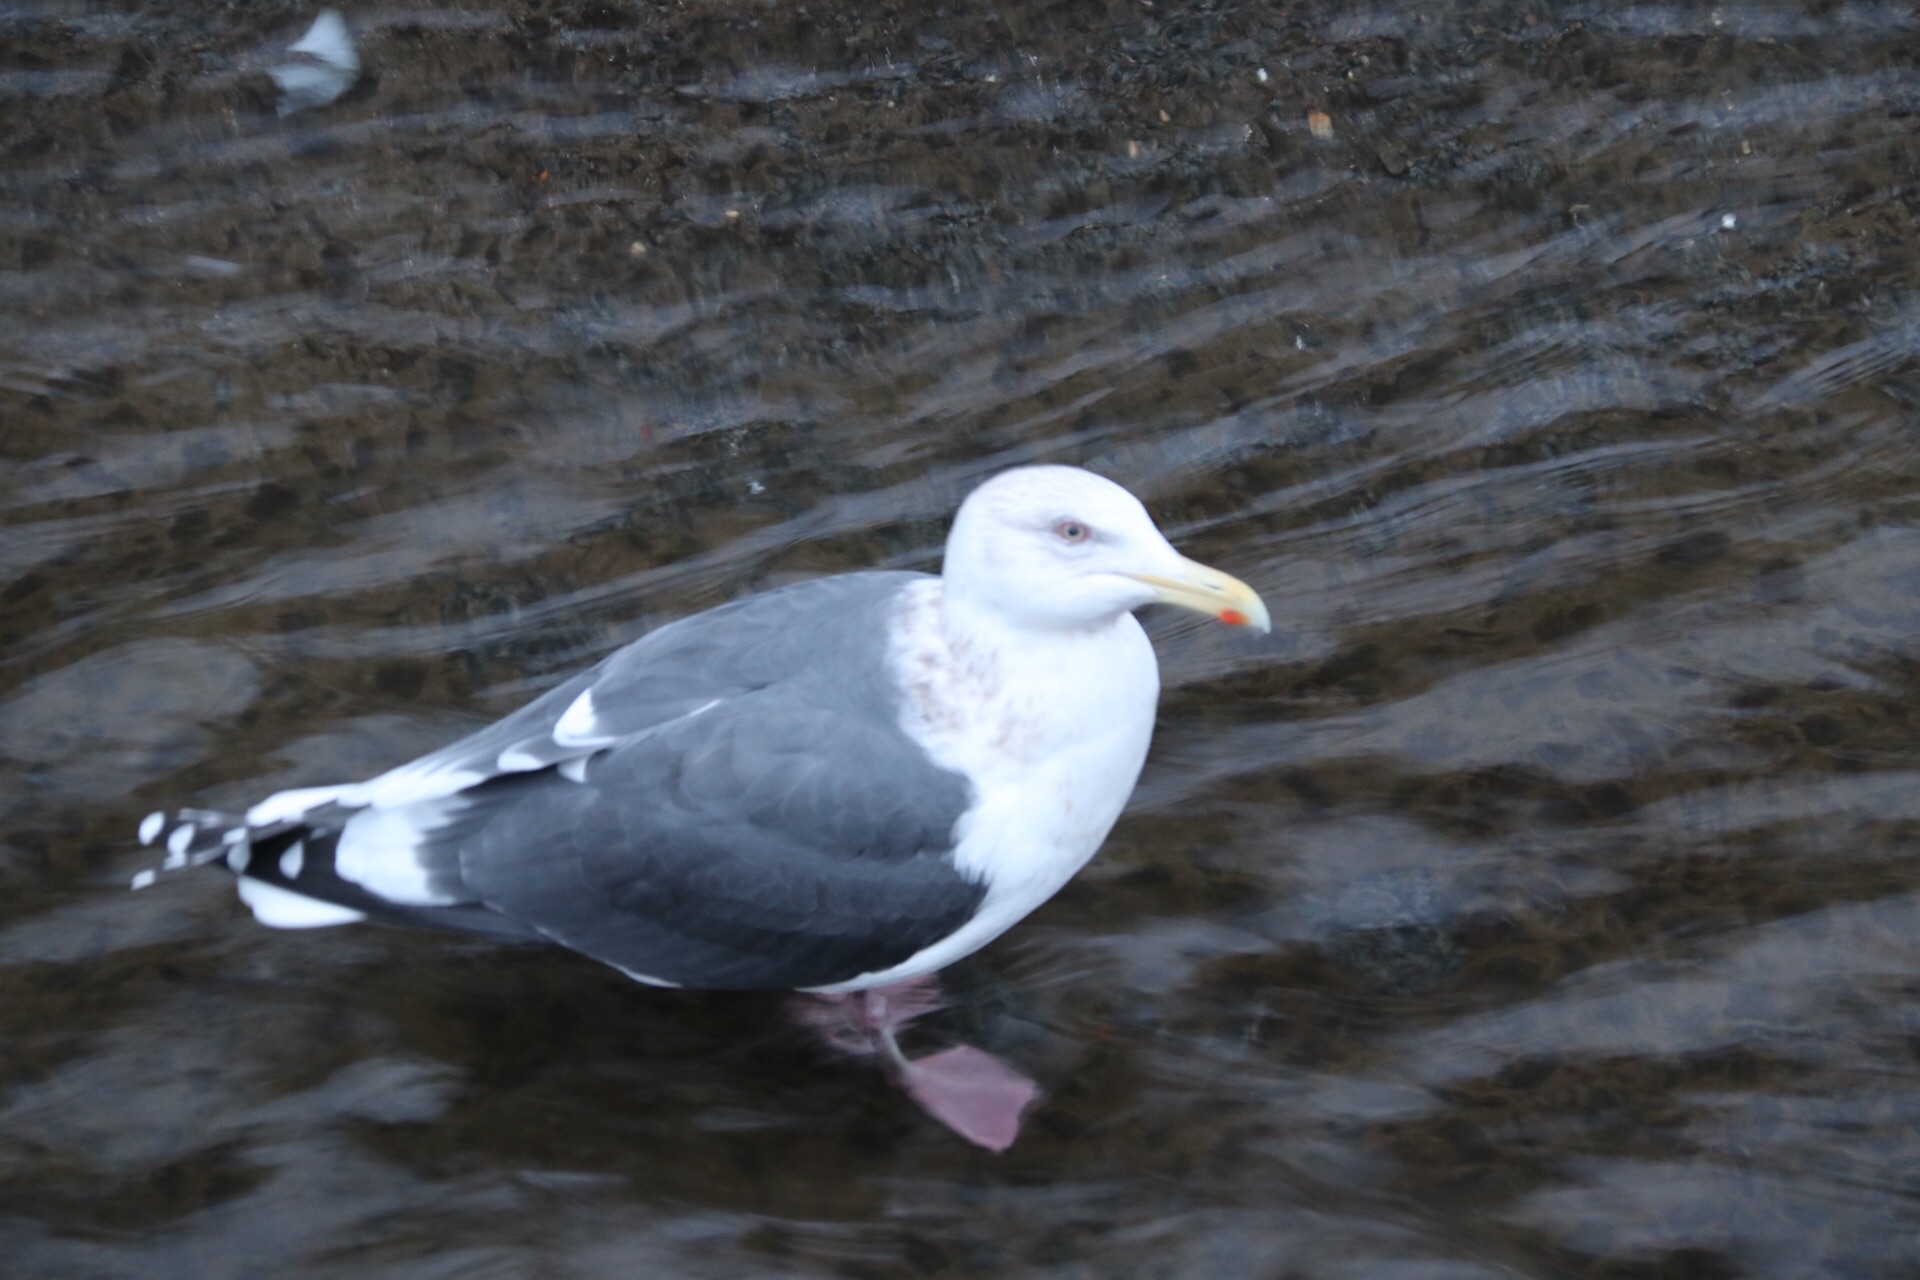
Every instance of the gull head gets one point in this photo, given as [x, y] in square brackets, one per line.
[1058, 548]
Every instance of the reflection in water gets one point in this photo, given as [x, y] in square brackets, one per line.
[1538, 900]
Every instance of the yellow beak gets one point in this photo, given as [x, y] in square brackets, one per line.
[1212, 592]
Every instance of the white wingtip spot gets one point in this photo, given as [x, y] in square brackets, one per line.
[177, 845]
[293, 861]
[145, 878]
[238, 858]
[575, 728]
[280, 909]
[234, 835]
[514, 760]
[150, 826]
[284, 806]
[575, 770]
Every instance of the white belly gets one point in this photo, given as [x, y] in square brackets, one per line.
[1053, 761]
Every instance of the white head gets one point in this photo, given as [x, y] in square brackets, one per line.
[1058, 548]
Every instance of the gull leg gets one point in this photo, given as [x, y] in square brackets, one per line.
[969, 1090]
[861, 1023]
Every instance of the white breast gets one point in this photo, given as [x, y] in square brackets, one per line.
[1050, 729]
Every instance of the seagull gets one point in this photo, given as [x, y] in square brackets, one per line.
[324, 66]
[837, 787]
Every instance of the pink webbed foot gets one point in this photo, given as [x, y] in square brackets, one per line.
[969, 1090]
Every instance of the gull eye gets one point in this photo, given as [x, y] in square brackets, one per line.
[1072, 531]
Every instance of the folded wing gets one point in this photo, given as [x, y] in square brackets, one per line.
[728, 802]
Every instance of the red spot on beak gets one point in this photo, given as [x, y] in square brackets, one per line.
[1233, 617]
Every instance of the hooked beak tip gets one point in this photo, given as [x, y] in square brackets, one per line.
[1207, 590]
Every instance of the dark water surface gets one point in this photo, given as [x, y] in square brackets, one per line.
[1541, 899]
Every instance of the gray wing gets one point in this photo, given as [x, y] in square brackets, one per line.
[769, 843]
[792, 634]
[739, 807]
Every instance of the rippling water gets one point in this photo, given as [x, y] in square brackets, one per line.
[1539, 900]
